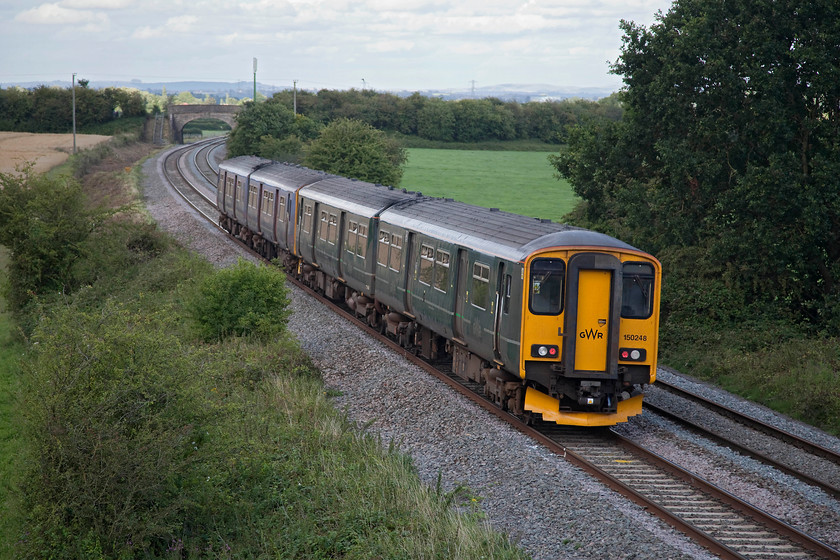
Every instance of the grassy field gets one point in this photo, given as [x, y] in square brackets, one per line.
[519, 182]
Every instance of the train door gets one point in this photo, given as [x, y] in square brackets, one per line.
[289, 221]
[461, 287]
[592, 314]
[497, 312]
[410, 276]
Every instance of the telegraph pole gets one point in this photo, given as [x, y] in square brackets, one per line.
[73, 82]
[294, 97]
[255, 80]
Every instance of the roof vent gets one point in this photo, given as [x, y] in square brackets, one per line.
[494, 209]
[545, 221]
[449, 199]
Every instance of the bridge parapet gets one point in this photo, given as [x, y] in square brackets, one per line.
[179, 115]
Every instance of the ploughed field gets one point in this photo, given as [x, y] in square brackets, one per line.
[45, 150]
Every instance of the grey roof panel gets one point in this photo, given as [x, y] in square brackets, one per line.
[243, 165]
[287, 176]
[358, 197]
[491, 231]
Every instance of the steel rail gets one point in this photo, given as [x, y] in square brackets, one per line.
[743, 449]
[787, 437]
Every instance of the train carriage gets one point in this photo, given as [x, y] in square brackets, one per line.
[590, 327]
[232, 190]
[278, 185]
[553, 320]
[338, 230]
[520, 299]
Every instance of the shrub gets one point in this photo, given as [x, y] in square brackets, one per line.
[243, 300]
[115, 418]
[44, 222]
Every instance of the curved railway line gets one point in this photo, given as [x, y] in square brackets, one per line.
[725, 524]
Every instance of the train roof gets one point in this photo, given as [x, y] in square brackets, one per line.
[491, 231]
[244, 165]
[358, 197]
[287, 175]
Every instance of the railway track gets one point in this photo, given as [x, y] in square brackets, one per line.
[816, 465]
[725, 524]
[190, 179]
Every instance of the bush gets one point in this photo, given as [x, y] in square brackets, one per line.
[355, 149]
[243, 300]
[44, 222]
[114, 414]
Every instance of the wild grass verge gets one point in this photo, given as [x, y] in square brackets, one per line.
[749, 348]
[11, 443]
[140, 439]
[795, 376]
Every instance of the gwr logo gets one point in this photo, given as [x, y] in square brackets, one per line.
[591, 334]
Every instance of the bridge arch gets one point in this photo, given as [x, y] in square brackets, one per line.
[179, 115]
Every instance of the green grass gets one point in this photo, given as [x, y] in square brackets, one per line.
[518, 182]
[10, 440]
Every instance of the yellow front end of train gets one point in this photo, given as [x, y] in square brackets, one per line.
[590, 322]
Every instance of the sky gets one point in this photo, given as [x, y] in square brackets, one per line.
[386, 45]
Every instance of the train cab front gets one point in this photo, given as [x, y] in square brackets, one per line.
[589, 334]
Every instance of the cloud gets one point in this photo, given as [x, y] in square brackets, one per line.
[176, 25]
[387, 46]
[57, 14]
[96, 4]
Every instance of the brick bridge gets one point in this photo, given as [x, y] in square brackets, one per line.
[179, 115]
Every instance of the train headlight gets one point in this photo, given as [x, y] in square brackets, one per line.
[632, 354]
[544, 351]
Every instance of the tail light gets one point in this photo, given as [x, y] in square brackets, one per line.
[632, 354]
[544, 351]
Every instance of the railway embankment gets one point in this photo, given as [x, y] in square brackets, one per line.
[138, 439]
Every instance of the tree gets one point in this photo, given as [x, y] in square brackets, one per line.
[44, 223]
[435, 121]
[482, 119]
[355, 149]
[258, 120]
[270, 130]
[730, 142]
[186, 98]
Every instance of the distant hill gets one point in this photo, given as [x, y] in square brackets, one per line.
[522, 93]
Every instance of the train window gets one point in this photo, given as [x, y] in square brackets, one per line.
[382, 250]
[322, 229]
[442, 271]
[230, 188]
[547, 281]
[352, 237]
[361, 248]
[332, 235]
[281, 209]
[268, 203]
[307, 218]
[396, 253]
[637, 290]
[427, 262]
[253, 196]
[239, 190]
[480, 291]
[506, 307]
